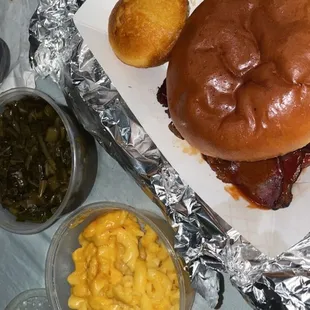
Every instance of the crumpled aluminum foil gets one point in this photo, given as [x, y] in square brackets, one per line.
[207, 244]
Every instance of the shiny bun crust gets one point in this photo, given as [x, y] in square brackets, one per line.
[238, 81]
[143, 32]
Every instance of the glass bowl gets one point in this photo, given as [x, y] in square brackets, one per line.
[83, 171]
[5, 60]
[33, 299]
[59, 263]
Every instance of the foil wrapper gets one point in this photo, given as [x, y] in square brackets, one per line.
[206, 242]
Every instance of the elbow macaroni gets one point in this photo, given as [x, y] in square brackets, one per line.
[121, 267]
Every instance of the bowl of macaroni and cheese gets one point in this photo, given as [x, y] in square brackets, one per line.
[111, 256]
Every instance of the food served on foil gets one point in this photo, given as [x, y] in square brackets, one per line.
[35, 160]
[268, 183]
[122, 266]
[142, 33]
[238, 91]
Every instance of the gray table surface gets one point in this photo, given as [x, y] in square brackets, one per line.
[22, 258]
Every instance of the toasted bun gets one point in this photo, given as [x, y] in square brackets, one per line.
[143, 32]
[238, 81]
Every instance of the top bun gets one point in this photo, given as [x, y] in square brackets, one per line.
[238, 81]
[143, 32]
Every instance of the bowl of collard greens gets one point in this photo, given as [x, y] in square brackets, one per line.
[48, 162]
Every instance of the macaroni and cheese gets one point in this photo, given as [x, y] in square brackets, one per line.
[120, 266]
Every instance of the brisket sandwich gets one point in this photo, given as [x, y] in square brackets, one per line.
[238, 90]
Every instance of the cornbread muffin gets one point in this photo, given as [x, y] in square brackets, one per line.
[143, 32]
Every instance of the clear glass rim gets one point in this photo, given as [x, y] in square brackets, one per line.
[36, 93]
[24, 296]
[105, 206]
